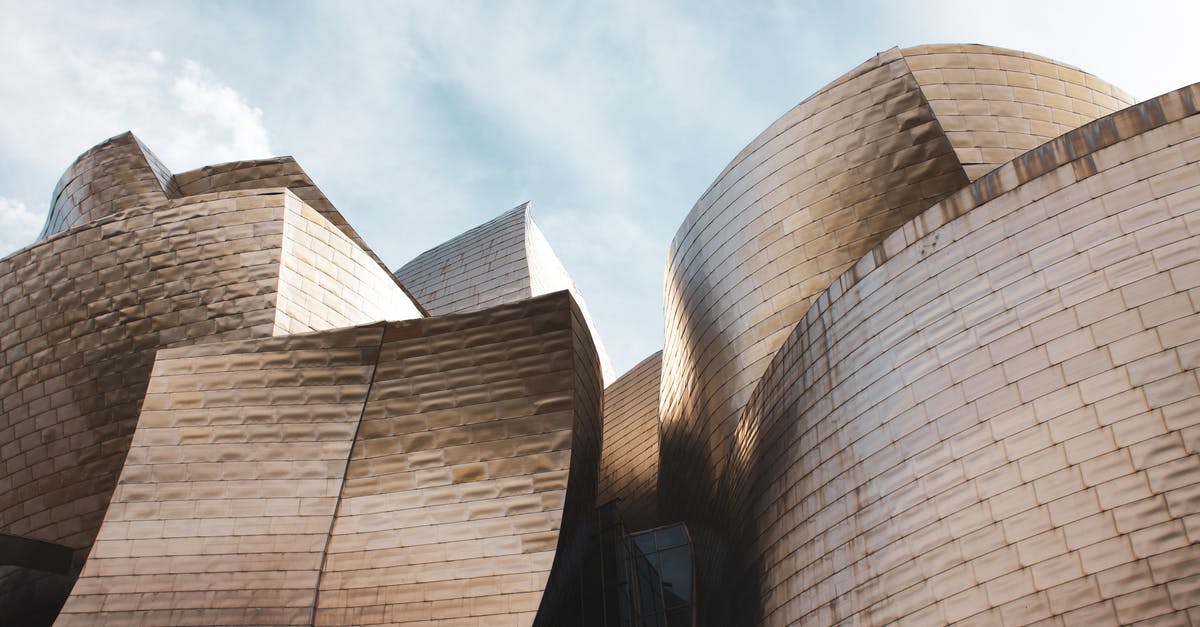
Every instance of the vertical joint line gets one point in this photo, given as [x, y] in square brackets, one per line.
[316, 598]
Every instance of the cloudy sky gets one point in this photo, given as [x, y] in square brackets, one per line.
[423, 119]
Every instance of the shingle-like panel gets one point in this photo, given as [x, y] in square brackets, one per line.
[629, 463]
[992, 418]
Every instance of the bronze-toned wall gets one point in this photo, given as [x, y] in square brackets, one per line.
[117, 174]
[797, 208]
[456, 493]
[629, 461]
[996, 104]
[85, 308]
[226, 498]
[432, 469]
[993, 417]
[84, 312]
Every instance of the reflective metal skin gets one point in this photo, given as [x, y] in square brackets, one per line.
[386, 474]
[932, 356]
[992, 417]
[86, 307]
[999, 402]
[800, 205]
[500, 261]
[629, 466]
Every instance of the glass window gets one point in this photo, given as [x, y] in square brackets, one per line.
[645, 542]
[670, 536]
[675, 569]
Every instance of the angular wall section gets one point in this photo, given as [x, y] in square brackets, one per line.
[457, 490]
[273, 172]
[226, 499]
[629, 463]
[501, 261]
[327, 281]
[994, 416]
[484, 267]
[434, 469]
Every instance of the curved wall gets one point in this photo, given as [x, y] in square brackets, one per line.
[993, 417]
[117, 174]
[84, 312]
[398, 473]
[629, 459]
[995, 104]
[474, 466]
[802, 203]
[226, 499]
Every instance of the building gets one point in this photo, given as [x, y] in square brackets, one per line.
[932, 355]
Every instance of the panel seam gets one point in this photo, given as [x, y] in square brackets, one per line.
[316, 597]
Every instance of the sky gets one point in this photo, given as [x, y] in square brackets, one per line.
[420, 120]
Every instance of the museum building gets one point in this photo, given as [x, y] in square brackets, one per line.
[932, 355]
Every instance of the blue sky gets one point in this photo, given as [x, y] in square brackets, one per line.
[423, 119]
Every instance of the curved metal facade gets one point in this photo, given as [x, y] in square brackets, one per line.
[807, 199]
[115, 175]
[932, 355]
[800, 205]
[991, 419]
[388, 474]
[629, 466]
[86, 308]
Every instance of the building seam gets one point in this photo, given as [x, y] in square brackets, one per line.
[312, 615]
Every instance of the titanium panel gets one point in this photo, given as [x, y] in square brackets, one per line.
[629, 463]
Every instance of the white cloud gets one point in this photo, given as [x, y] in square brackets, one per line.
[59, 101]
[223, 126]
[612, 118]
[18, 225]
